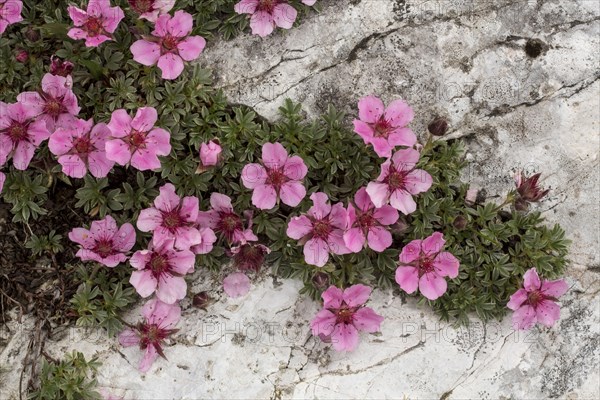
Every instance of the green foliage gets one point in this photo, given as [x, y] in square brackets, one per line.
[26, 191]
[70, 379]
[41, 244]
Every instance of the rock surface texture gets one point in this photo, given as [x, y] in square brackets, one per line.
[519, 82]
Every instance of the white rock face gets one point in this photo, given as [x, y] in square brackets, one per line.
[519, 82]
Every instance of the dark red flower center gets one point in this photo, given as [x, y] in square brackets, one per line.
[152, 334]
[83, 145]
[228, 224]
[54, 107]
[104, 248]
[17, 131]
[276, 177]
[322, 229]
[137, 139]
[395, 179]
[172, 219]
[158, 264]
[426, 265]
[93, 26]
[382, 128]
[345, 314]
[267, 5]
[142, 6]
[365, 220]
[169, 43]
[534, 298]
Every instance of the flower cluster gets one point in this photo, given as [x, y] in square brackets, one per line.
[268, 14]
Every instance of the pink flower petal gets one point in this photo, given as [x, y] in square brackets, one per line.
[402, 201]
[262, 23]
[144, 119]
[531, 280]
[407, 278]
[246, 6]
[99, 165]
[118, 151]
[181, 24]
[402, 137]
[323, 323]
[354, 239]
[144, 160]
[418, 181]
[149, 220]
[379, 238]
[129, 338]
[144, 282]
[294, 168]
[140, 258]
[298, 227]
[73, 166]
[191, 47]
[367, 320]
[284, 15]
[364, 130]
[399, 114]
[524, 318]
[171, 289]
[150, 355]
[171, 66]
[344, 337]
[386, 215]
[253, 175]
[332, 297]
[316, 252]
[292, 193]
[264, 197]
[158, 141]
[555, 288]
[517, 299]
[146, 53]
[23, 155]
[370, 109]
[321, 207]
[432, 285]
[83, 237]
[124, 239]
[379, 193]
[167, 200]
[433, 244]
[446, 264]
[236, 284]
[411, 252]
[77, 15]
[187, 237]
[274, 155]
[547, 313]
[164, 315]
[356, 295]
[405, 159]
[182, 262]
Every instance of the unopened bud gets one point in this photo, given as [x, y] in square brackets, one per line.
[201, 300]
[438, 127]
[320, 280]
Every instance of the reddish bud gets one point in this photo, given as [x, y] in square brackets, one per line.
[22, 56]
[60, 67]
[201, 300]
[438, 127]
[320, 280]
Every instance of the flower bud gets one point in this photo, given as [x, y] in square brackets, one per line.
[209, 155]
[32, 34]
[60, 67]
[201, 300]
[22, 56]
[320, 280]
[460, 223]
[528, 187]
[438, 127]
[399, 227]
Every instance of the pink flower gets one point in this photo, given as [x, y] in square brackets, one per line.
[151, 9]
[56, 104]
[105, 242]
[537, 301]
[309, 2]
[172, 218]
[20, 134]
[60, 67]
[106, 395]
[10, 13]
[267, 14]
[170, 45]
[136, 140]
[279, 176]
[160, 269]
[369, 224]
[95, 25]
[249, 256]
[209, 153]
[2, 180]
[236, 284]
[423, 264]
[207, 241]
[223, 219]
[344, 315]
[80, 148]
[321, 229]
[384, 128]
[159, 322]
[399, 181]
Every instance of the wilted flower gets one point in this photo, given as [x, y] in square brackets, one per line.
[55, 104]
[344, 315]
[209, 153]
[22, 56]
[321, 230]
[95, 25]
[249, 256]
[536, 302]
[384, 128]
[60, 67]
[528, 190]
[279, 176]
[471, 196]
[236, 284]
[80, 148]
[151, 9]
[438, 127]
[160, 269]
[399, 181]
[368, 224]
[136, 140]
[223, 219]
[170, 45]
[10, 13]
[2, 180]
[159, 322]
[104, 242]
[172, 218]
[424, 265]
[20, 134]
[267, 14]
[201, 300]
